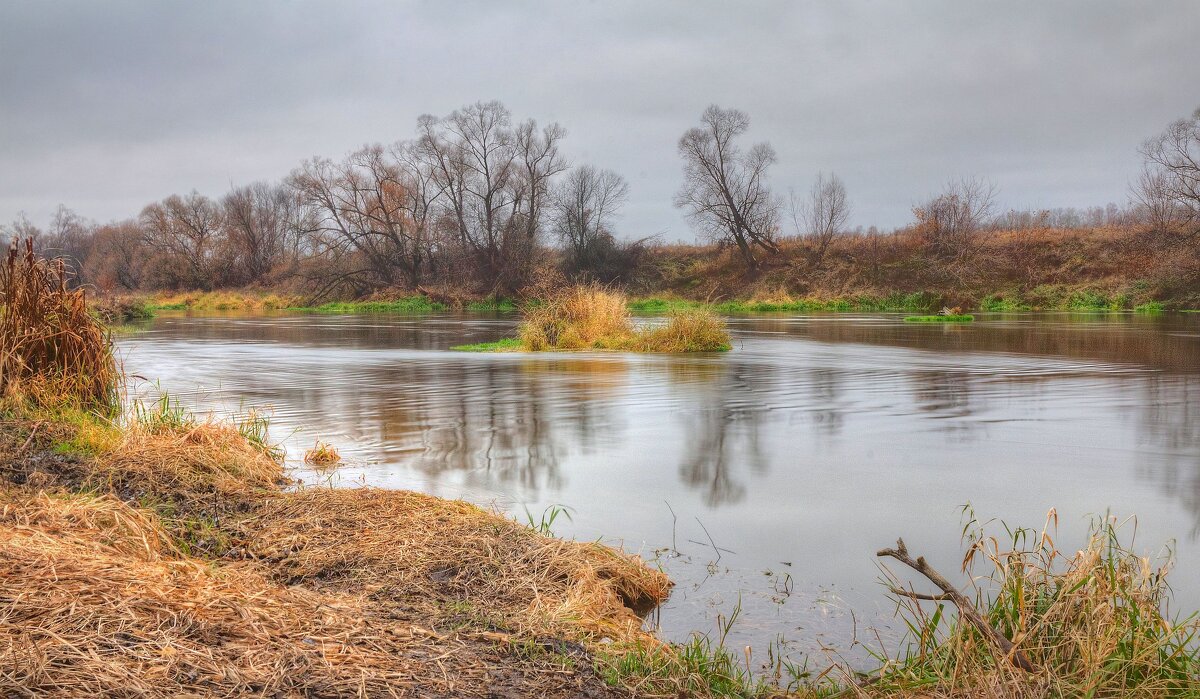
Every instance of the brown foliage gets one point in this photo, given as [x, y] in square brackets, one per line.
[51, 348]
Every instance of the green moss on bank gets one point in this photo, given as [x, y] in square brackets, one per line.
[940, 319]
[411, 304]
[507, 344]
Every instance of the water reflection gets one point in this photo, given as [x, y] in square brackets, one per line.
[809, 444]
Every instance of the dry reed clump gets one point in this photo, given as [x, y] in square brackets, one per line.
[410, 550]
[52, 351]
[590, 317]
[322, 454]
[579, 318]
[95, 601]
[1091, 623]
[692, 330]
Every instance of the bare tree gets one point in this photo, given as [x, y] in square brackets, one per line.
[724, 190]
[824, 215]
[119, 257]
[1171, 182]
[584, 206]
[188, 232]
[361, 211]
[494, 181]
[949, 222]
[262, 229]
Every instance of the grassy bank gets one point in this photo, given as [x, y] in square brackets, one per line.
[1043, 298]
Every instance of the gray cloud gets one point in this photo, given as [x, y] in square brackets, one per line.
[107, 106]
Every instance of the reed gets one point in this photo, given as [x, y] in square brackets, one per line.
[1091, 622]
[591, 317]
[52, 350]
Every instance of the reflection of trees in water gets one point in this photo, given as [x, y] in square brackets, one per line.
[1168, 419]
[497, 422]
[722, 432]
[948, 396]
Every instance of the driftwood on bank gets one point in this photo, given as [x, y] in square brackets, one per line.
[950, 593]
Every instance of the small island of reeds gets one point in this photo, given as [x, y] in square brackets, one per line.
[593, 318]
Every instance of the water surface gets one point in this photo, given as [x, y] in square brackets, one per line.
[765, 477]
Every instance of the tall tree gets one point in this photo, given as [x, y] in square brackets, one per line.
[186, 231]
[724, 190]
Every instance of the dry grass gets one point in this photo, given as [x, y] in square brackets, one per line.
[225, 300]
[693, 330]
[96, 601]
[1092, 622]
[590, 317]
[403, 549]
[579, 318]
[52, 350]
[322, 454]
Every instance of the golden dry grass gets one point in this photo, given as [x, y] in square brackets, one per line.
[96, 601]
[52, 350]
[405, 548]
[591, 317]
[1093, 622]
[579, 318]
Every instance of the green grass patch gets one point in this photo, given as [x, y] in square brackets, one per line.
[507, 344]
[940, 319]
[917, 301]
[699, 668]
[1096, 301]
[657, 305]
[411, 304]
[1149, 307]
[998, 303]
[492, 305]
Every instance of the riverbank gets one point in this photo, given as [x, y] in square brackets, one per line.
[168, 555]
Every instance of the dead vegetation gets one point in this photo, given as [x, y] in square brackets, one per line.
[51, 349]
[591, 317]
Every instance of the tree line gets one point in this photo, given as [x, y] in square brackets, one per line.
[475, 197]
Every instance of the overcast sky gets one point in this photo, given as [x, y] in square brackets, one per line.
[106, 106]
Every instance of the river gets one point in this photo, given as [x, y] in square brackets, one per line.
[762, 479]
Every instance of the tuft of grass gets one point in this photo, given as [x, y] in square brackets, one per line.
[949, 318]
[506, 344]
[1091, 300]
[1149, 307]
[694, 330]
[1092, 622]
[545, 524]
[322, 454]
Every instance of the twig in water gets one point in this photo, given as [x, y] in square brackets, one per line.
[710, 539]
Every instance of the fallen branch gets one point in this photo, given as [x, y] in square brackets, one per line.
[966, 608]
